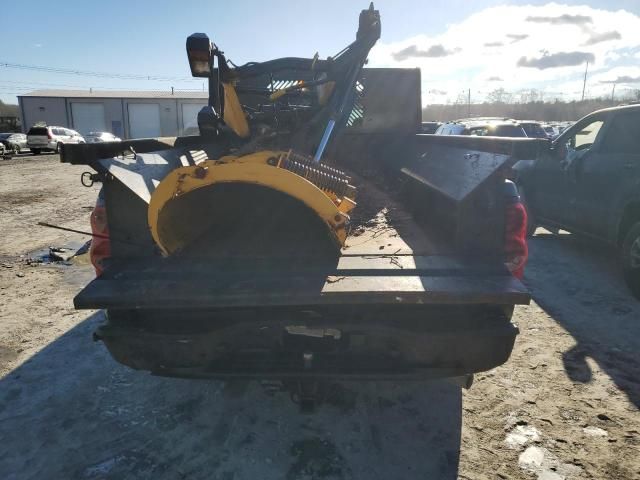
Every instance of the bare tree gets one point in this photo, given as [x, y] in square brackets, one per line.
[499, 95]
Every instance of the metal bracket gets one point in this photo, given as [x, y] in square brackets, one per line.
[88, 179]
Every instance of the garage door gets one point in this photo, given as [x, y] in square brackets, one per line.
[190, 118]
[144, 120]
[88, 117]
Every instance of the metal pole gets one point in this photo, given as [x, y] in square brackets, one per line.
[613, 92]
[469, 104]
[584, 83]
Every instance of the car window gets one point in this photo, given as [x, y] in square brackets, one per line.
[533, 130]
[507, 131]
[586, 136]
[623, 134]
[38, 131]
[478, 131]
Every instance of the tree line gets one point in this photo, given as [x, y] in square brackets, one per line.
[500, 103]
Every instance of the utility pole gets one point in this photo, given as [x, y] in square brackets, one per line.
[469, 104]
[584, 82]
[613, 92]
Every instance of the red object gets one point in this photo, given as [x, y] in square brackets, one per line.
[49, 134]
[100, 248]
[515, 239]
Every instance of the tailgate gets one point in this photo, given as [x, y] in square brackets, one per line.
[255, 283]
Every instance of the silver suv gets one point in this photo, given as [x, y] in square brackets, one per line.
[50, 138]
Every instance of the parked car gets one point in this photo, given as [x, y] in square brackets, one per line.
[51, 138]
[587, 183]
[493, 128]
[101, 137]
[13, 142]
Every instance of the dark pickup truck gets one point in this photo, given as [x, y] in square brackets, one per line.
[424, 286]
[588, 182]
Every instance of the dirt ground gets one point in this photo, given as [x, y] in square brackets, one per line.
[564, 406]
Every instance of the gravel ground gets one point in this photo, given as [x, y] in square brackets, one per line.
[564, 406]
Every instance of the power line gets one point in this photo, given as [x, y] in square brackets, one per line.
[49, 84]
[89, 87]
[86, 73]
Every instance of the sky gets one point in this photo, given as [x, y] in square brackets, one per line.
[480, 45]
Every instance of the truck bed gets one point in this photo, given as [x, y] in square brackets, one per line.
[388, 259]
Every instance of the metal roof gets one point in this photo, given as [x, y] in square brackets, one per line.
[178, 94]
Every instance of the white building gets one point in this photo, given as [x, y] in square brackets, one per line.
[126, 114]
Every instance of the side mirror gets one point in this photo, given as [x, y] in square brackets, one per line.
[199, 54]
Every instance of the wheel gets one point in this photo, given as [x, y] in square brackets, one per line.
[35, 151]
[631, 259]
[16, 149]
[531, 219]
[58, 147]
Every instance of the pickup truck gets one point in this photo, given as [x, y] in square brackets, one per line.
[424, 286]
[588, 182]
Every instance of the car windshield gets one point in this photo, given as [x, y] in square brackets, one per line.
[4, 136]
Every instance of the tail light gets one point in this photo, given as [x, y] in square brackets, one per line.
[100, 249]
[49, 134]
[515, 233]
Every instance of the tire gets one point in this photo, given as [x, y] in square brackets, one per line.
[16, 149]
[35, 151]
[531, 218]
[58, 146]
[630, 256]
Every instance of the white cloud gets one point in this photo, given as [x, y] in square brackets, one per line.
[550, 43]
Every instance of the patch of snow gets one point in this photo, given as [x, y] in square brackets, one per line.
[521, 435]
[595, 432]
[531, 459]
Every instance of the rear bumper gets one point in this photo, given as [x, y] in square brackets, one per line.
[42, 146]
[397, 348]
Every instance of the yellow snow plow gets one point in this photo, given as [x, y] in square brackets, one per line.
[241, 195]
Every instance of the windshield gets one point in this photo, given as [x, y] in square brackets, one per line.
[4, 136]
